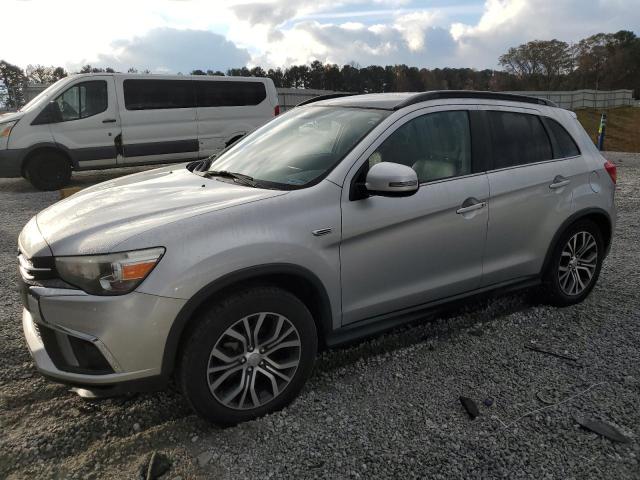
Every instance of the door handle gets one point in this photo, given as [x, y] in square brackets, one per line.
[109, 120]
[560, 182]
[469, 205]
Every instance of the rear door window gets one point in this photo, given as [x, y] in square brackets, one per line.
[224, 93]
[158, 94]
[517, 139]
[563, 145]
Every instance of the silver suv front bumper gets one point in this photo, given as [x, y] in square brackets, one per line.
[128, 332]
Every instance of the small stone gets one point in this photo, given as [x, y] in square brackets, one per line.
[194, 439]
[136, 427]
[488, 401]
[204, 458]
[157, 465]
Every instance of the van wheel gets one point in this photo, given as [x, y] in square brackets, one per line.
[575, 264]
[48, 170]
[248, 355]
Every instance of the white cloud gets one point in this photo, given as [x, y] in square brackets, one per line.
[508, 23]
[164, 50]
[413, 27]
[172, 35]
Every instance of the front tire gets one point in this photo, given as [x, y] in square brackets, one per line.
[248, 355]
[575, 264]
[48, 170]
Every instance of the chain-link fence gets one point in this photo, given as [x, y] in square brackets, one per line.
[577, 99]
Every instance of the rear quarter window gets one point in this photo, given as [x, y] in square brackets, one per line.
[563, 144]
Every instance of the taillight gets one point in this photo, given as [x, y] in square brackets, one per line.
[611, 170]
[276, 111]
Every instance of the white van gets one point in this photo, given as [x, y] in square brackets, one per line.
[92, 121]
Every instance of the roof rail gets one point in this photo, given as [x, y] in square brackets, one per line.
[324, 97]
[473, 94]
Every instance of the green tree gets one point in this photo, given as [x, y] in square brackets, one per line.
[539, 63]
[14, 80]
[42, 74]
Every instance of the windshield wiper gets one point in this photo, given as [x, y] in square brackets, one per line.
[239, 177]
[201, 165]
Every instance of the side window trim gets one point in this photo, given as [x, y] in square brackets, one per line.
[555, 145]
[486, 124]
[259, 93]
[360, 165]
[78, 85]
[481, 158]
[129, 106]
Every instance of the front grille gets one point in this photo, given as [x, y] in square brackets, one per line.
[37, 268]
[40, 272]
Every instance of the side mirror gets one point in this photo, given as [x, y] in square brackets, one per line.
[391, 180]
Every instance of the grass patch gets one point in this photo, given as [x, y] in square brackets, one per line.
[623, 127]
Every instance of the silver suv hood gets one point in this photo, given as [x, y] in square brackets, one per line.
[97, 219]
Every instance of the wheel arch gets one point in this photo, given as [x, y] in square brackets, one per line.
[295, 279]
[599, 216]
[44, 147]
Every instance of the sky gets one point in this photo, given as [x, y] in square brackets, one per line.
[170, 36]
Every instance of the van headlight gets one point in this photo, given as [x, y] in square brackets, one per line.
[5, 131]
[111, 274]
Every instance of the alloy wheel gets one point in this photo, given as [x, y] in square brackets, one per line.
[253, 361]
[578, 262]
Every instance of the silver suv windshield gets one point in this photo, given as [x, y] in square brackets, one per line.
[299, 148]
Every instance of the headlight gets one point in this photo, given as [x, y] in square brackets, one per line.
[111, 274]
[5, 131]
[5, 128]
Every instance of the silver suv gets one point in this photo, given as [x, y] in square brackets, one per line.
[344, 217]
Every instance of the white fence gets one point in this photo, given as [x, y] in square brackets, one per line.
[577, 99]
[572, 100]
[290, 97]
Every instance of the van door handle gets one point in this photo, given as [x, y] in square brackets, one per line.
[560, 182]
[109, 120]
[470, 204]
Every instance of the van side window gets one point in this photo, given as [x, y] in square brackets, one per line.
[158, 94]
[223, 93]
[517, 139]
[83, 100]
[563, 145]
[436, 146]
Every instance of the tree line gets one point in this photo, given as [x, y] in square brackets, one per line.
[604, 61]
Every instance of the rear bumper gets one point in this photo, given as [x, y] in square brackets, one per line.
[10, 163]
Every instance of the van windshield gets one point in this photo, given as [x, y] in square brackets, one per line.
[300, 147]
[47, 92]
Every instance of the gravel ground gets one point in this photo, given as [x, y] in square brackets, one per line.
[386, 407]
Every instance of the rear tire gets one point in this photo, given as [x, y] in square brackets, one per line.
[48, 170]
[230, 370]
[575, 264]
